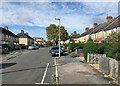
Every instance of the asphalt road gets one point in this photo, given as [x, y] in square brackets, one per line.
[28, 68]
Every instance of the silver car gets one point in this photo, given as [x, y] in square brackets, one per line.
[33, 46]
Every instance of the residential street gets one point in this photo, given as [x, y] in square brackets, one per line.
[28, 68]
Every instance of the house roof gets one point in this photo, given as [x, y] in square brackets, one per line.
[24, 35]
[86, 32]
[103, 26]
[75, 36]
[3, 30]
[107, 25]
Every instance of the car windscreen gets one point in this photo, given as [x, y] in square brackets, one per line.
[54, 48]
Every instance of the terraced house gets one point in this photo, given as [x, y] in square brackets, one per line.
[24, 38]
[99, 32]
[7, 37]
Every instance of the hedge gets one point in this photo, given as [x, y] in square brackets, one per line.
[111, 50]
[74, 45]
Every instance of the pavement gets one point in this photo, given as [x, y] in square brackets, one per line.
[29, 68]
[73, 71]
[4, 57]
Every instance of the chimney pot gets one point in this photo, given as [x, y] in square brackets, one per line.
[86, 29]
[109, 18]
[95, 24]
[74, 32]
[22, 31]
[6, 27]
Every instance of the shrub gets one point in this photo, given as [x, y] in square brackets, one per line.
[110, 49]
[18, 46]
[73, 54]
[11, 47]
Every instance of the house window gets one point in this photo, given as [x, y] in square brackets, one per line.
[7, 36]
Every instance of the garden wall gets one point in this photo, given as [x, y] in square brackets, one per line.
[107, 65]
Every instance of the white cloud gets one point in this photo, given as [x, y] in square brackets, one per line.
[43, 14]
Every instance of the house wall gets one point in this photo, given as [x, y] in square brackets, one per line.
[0, 37]
[23, 41]
[8, 39]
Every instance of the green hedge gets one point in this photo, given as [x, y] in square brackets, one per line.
[110, 49]
[74, 45]
[11, 46]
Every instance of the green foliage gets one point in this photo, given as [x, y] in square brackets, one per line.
[74, 45]
[18, 46]
[66, 45]
[49, 43]
[113, 37]
[53, 33]
[90, 40]
[110, 49]
[73, 54]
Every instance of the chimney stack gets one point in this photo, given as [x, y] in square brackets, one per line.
[86, 29]
[22, 31]
[109, 18]
[74, 32]
[95, 24]
[6, 27]
[71, 34]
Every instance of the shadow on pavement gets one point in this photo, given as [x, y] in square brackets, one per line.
[24, 69]
[6, 65]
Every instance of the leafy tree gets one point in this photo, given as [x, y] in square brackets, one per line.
[49, 43]
[53, 33]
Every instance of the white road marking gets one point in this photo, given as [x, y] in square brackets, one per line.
[45, 73]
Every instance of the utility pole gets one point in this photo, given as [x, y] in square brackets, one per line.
[59, 34]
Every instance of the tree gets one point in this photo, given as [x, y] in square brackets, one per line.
[53, 33]
[49, 43]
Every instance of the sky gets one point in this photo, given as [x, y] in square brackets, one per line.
[34, 17]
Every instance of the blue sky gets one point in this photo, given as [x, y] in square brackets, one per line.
[34, 17]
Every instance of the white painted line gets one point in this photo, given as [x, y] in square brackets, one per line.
[44, 73]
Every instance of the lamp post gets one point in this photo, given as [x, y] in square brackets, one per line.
[59, 34]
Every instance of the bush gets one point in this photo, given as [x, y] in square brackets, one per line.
[49, 43]
[73, 54]
[18, 46]
[111, 50]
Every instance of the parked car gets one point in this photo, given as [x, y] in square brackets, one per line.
[72, 50]
[55, 51]
[3, 50]
[62, 47]
[33, 46]
[23, 46]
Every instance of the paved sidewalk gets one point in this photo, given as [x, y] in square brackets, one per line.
[72, 71]
[4, 57]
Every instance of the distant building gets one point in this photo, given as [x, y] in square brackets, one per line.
[39, 40]
[73, 38]
[7, 37]
[24, 38]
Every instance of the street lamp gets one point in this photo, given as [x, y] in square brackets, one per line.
[59, 34]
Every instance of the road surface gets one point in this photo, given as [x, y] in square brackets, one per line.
[29, 68]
